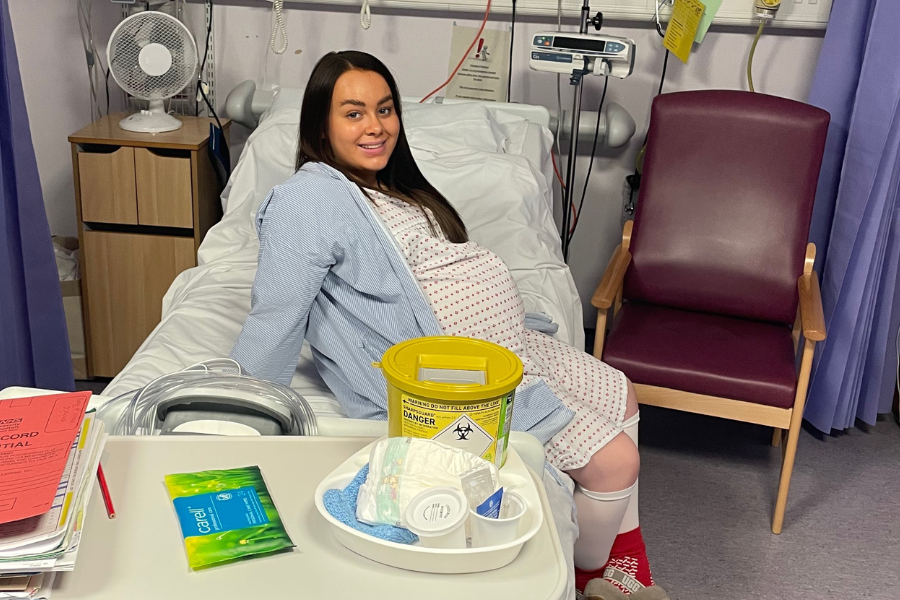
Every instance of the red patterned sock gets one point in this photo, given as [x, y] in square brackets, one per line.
[627, 563]
[628, 568]
[582, 577]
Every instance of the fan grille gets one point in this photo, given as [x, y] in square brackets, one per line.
[142, 29]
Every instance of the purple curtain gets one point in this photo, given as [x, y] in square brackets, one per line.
[855, 220]
[34, 346]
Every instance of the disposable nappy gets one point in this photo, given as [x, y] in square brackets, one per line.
[400, 468]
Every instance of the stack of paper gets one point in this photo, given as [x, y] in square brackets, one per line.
[49, 455]
[25, 586]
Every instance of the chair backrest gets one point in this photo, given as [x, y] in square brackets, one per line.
[725, 203]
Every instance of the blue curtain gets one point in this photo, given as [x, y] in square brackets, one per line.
[34, 346]
[856, 226]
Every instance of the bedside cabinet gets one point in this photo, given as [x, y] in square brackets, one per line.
[144, 203]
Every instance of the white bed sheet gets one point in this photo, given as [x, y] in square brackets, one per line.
[504, 199]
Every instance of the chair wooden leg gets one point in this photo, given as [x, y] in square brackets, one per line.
[790, 446]
[787, 468]
[776, 437]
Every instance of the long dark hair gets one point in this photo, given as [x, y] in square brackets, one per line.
[401, 175]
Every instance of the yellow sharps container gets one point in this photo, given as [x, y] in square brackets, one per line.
[458, 391]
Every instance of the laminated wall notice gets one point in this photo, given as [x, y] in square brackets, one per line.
[485, 72]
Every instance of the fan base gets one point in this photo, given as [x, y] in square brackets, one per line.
[147, 122]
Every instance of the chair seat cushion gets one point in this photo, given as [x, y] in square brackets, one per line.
[704, 354]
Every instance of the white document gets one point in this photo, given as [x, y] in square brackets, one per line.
[485, 72]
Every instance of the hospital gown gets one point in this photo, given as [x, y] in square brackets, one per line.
[473, 295]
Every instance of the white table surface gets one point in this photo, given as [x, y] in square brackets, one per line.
[140, 554]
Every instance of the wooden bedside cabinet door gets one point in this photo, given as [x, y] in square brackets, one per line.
[126, 275]
[164, 195]
[107, 186]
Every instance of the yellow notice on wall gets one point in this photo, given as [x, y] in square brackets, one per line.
[682, 28]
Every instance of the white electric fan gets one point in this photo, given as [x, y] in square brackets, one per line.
[152, 56]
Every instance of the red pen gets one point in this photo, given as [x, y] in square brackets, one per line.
[104, 489]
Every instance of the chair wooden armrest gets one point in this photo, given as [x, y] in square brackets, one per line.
[812, 317]
[609, 285]
[609, 291]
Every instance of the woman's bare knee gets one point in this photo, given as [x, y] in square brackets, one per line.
[631, 406]
[612, 468]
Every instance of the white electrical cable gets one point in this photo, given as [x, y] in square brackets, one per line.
[278, 26]
[365, 15]
[659, 27]
[90, 53]
[183, 14]
[559, 113]
[188, 20]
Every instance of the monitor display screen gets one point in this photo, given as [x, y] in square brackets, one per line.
[579, 44]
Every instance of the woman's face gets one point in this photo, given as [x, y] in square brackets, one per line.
[363, 125]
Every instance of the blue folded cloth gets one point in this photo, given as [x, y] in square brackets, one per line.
[341, 504]
[541, 321]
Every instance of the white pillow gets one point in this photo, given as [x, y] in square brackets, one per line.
[286, 98]
[433, 128]
[438, 129]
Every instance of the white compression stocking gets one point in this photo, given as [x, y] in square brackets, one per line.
[630, 521]
[604, 515]
[599, 519]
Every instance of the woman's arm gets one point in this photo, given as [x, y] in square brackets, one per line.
[295, 255]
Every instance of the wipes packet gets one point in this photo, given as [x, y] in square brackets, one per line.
[226, 515]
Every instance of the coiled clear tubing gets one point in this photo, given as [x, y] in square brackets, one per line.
[135, 412]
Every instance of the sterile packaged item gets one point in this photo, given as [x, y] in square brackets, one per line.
[490, 508]
[495, 532]
[401, 468]
[438, 515]
[478, 484]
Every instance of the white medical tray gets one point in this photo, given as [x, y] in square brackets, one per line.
[514, 476]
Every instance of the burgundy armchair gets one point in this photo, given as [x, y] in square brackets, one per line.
[712, 290]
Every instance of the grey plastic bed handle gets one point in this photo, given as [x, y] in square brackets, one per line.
[216, 405]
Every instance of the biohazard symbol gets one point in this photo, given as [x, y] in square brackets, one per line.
[462, 433]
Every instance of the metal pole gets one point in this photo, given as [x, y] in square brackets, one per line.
[578, 81]
[570, 166]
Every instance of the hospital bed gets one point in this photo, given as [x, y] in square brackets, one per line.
[492, 162]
